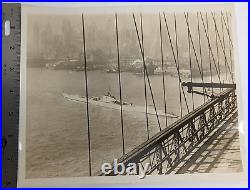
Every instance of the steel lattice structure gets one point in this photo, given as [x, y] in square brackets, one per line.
[169, 147]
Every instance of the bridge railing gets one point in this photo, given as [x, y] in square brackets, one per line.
[165, 150]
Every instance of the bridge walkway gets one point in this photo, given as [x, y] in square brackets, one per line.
[219, 152]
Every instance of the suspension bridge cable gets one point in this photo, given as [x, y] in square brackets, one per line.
[145, 85]
[86, 91]
[222, 30]
[176, 59]
[194, 49]
[145, 68]
[190, 63]
[227, 29]
[223, 39]
[144, 62]
[229, 39]
[223, 49]
[178, 72]
[163, 74]
[209, 47]
[209, 55]
[146, 72]
[201, 61]
[119, 80]
[230, 48]
[218, 56]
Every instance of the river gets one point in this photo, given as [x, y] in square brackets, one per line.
[56, 131]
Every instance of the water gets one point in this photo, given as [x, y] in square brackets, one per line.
[56, 136]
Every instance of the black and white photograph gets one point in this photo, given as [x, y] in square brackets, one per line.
[129, 92]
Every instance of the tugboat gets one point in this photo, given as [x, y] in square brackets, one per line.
[109, 101]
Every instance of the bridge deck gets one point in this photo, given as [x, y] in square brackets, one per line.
[220, 152]
[205, 140]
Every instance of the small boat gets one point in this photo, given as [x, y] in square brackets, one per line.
[111, 71]
[109, 101]
[158, 71]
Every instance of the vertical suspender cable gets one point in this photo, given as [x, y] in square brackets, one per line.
[218, 56]
[230, 48]
[223, 49]
[222, 29]
[195, 54]
[210, 47]
[209, 55]
[223, 40]
[176, 59]
[163, 73]
[145, 84]
[201, 61]
[86, 91]
[146, 72]
[178, 67]
[227, 29]
[230, 43]
[190, 64]
[119, 80]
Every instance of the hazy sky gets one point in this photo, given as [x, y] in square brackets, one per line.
[100, 34]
